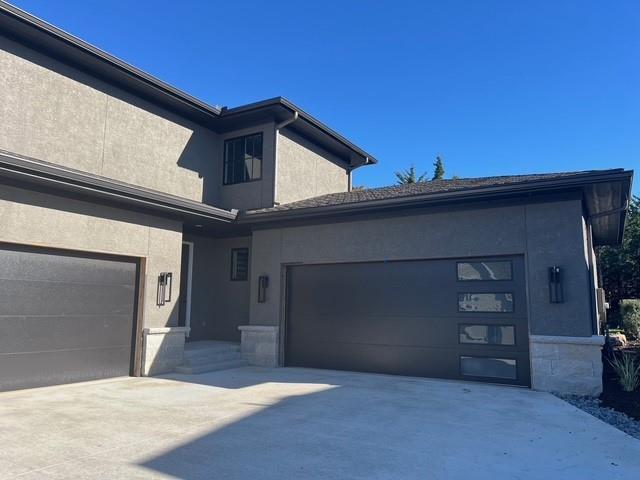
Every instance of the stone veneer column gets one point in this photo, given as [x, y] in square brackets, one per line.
[162, 350]
[259, 345]
[569, 365]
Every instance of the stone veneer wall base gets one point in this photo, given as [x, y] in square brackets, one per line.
[567, 365]
[259, 344]
[163, 349]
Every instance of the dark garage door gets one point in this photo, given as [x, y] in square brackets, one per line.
[460, 319]
[64, 317]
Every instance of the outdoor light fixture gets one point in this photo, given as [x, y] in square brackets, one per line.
[263, 283]
[555, 285]
[165, 280]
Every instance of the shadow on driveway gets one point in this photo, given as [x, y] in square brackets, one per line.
[297, 423]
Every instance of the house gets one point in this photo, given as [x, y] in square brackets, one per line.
[140, 228]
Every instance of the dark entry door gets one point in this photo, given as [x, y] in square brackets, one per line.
[459, 319]
[64, 316]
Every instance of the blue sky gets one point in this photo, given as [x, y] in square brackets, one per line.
[494, 87]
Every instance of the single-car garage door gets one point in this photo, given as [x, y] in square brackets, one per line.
[459, 319]
[64, 316]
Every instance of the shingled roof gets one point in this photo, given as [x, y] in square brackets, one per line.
[415, 189]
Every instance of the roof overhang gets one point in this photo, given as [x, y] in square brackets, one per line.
[607, 203]
[605, 193]
[92, 187]
[280, 109]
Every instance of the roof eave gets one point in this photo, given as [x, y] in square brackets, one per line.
[367, 159]
[32, 171]
[466, 195]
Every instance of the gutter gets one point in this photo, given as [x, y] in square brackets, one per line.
[35, 171]
[279, 126]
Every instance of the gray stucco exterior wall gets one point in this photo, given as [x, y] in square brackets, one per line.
[58, 114]
[218, 304]
[305, 170]
[555, 237]
[546, 233]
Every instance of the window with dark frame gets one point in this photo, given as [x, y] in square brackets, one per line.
[239, 264]
[242, 159]
[485, 302]
[487, 334]
[485, 270]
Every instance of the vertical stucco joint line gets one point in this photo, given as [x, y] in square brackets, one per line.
[104, 132]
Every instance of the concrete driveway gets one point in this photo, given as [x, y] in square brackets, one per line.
[297, 423]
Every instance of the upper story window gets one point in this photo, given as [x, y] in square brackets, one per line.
[243, 159]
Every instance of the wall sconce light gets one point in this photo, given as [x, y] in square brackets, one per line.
[555, 285]
[165, 281]
[263, 283]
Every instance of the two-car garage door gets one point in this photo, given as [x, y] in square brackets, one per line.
[64, 316]
[459, 319]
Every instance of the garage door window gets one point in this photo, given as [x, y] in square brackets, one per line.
[485, 302]
[488, 367]
[487, 334]
[500, 270]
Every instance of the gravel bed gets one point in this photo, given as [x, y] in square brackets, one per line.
[608, 415]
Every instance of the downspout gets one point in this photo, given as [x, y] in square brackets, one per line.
[595, 324]
[350, 170]
[279, 126]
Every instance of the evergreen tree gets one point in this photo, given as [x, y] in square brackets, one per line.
[410, 176]
[438, 172]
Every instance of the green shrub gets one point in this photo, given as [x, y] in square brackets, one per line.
[630, 311]
[627, 368]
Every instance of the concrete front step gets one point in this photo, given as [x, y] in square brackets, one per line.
[207, 345]
[211, 367]
[210, 356]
